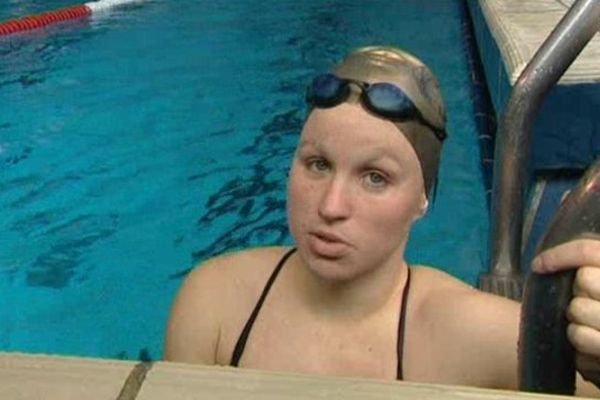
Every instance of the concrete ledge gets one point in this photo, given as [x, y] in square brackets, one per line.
[182, 381]
[28, 377]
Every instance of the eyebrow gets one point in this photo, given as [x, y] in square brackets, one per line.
[311, 144]
[383, 153]
[379, 153]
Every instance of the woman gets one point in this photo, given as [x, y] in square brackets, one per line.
[345, 302]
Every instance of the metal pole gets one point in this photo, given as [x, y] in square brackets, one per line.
[512, 153]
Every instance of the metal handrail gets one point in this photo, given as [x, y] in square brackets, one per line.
[512, 153]
[546, 357]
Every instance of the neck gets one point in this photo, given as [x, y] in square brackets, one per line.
[357, 298]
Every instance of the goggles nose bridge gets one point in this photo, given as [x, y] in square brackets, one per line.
[355, 92]
[362, 86]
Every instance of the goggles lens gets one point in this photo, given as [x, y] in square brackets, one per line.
[327, 90]
[384, 99]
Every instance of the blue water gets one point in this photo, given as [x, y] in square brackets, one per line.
[135, 145]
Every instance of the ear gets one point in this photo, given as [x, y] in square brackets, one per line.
[423, 206]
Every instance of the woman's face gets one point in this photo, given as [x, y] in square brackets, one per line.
[355, 188]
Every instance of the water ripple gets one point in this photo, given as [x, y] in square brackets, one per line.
[56, 267]
[256, 203]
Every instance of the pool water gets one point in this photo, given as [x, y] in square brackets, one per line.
[135, 145]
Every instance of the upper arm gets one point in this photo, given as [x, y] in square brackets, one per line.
[194, 324]
[490, 341]
[477, 335]
[491, 338]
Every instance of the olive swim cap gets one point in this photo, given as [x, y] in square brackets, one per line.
[388, 64]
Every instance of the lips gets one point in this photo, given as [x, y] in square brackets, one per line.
[327, 244]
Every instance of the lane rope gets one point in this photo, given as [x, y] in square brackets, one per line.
[81, 11]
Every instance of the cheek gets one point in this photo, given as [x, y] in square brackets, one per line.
[298, 200]
[393, 217]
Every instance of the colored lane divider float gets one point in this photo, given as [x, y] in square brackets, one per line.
[81, 11]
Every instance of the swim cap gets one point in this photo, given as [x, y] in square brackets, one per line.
[388, 64]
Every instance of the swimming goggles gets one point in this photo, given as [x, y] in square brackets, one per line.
[381, 98]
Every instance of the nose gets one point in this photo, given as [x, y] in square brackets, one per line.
[335, 202]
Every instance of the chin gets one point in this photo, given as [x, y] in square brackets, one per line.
[331, 270]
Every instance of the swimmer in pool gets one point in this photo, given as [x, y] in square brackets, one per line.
[344, 301]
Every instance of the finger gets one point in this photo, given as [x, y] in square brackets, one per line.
[568, 255]
[588, 366]
[586, 312]
[587, 283]
[584, 339]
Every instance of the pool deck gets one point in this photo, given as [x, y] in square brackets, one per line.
[520, 27]
[29, 377]
[566, 134]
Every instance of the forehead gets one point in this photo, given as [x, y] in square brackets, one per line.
[349, 129]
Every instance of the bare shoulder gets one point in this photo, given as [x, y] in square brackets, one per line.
[231, 277]
[436, 286]
[237, 264]
[215, 295]
[433, 285]
[473, 332]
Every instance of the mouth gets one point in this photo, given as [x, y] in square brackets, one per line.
[327, 244]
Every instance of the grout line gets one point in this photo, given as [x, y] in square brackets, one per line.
[133, 383]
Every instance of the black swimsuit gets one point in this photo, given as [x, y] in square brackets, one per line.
[241, 343]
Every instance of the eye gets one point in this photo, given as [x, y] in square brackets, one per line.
[375, 180]
[318, 165]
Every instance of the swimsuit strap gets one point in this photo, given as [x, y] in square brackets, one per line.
[401, 326]
[241, 343]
